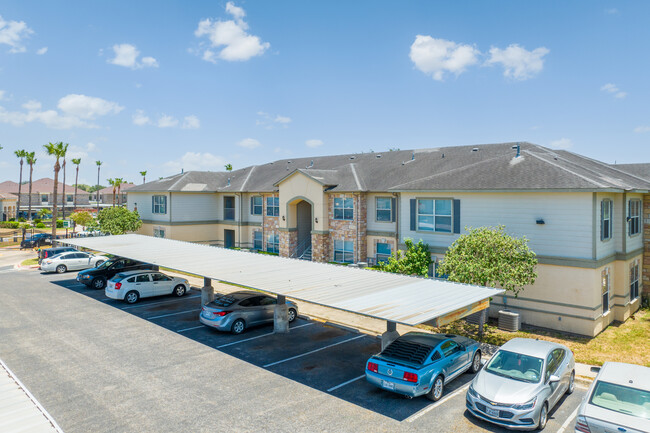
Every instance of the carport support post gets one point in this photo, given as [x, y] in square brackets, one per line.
[207, 291]
[390, 335]
[281, 316]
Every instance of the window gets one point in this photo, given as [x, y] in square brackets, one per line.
[158, 232]
[257, 240]
[434, 215]
[159, 204]
[272, 243]
[634, 217]
[267, 300]
[605, 220]
[43, 198]
[436, 271]
[449, 347]
[383, 252]
[144, 278]
[554, 360]
[344, 251]
[343, 208]
[69, 198]
[634, 280]
[436, 356]
[272, 206]
[256, 205]
[160, 277]
[605, 289]
[384, 209]
[229, 208]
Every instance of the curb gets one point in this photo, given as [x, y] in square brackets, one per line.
[27, 267]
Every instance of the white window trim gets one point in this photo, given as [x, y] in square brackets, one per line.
[343, 251]
[342, 208]
[391, 210]
[417, 216]
[637, 217]
[610, 218]
[605, 274]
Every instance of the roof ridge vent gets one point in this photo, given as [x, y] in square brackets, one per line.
[475, 149]
[352, 157]
[378, 155]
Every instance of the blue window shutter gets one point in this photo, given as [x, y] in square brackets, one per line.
[252, 206]
[602, 220]
[413, 213]
[456, 216]
[152, 203]
[393, 209]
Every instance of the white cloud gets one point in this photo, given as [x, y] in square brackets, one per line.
[81, 151]
[269, 121]
[140, 119]
[191, 122]
[32, 105]
[282, 119]
[436, 57]
[249, 143]
[12, 33]
[613, 90]
[2, 95]
[313, 143]
[518, 63]
[127, 55]
[167, 121]
[230, 38]
[196, 161]
[87, 107]
[642, 129]
[562, 144]
[41, 51]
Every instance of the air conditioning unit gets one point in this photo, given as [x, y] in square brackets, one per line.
[508, 321]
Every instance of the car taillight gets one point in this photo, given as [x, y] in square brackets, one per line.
[222, 313]
[410, 377]
[581, 425]
[373, 367]
[118, 286]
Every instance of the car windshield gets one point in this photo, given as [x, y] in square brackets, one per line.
[106, 264]
[622, 399]
[224, 301]
[118, 277]
[516, 366]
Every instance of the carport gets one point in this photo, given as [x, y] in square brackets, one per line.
[381, 295]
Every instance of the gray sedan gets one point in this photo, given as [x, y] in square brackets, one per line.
[522, 383]
[237, 311]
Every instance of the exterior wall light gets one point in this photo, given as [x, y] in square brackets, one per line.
[316, 220]
[540, 221]
[283, 218]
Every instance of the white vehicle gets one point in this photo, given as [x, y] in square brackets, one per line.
[617, 401]
[131, 286]
[71, 261]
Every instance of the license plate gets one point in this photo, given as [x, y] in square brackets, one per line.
[492, 412]
[388, 385]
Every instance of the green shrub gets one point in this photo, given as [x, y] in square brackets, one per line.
[59, 224]
[22, 220]
[12, 219]
[40, 225]
[9, 224]
[37, 220]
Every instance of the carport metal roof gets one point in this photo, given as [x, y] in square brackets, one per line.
[392, 297]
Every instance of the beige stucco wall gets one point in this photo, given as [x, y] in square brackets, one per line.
[292, 190]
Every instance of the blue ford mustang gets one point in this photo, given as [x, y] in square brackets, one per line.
[418, 363]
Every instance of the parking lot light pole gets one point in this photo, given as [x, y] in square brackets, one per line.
[390, 335]
[207, 291]
[281, 316]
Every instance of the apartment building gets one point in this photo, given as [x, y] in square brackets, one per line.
[7, 206]
[43, 195]
[583, 218]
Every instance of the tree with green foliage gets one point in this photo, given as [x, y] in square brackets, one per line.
[488, 256]
[31, 160]
[43, 212]
[81, 218]
[414, 261]
[118, 220]
[228, 167]
[144, 176]
[76, 161]
[57, 150]
[21, 155]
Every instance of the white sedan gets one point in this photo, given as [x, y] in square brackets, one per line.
[133, 285]
[71, 261]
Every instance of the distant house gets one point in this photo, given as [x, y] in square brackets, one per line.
[43, 195]
[106, 195]
[583, 217]
[7, 206]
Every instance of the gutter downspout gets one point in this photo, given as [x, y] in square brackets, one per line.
[239, 222]
[263, 211]
[397, 199]
[358, 217]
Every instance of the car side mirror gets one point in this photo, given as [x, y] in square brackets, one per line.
[554, 379]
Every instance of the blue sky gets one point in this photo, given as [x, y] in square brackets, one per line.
[160, 86]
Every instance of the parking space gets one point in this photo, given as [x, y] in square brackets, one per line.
[323, 357]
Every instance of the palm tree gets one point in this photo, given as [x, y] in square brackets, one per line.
[112, 183]
[142, 173]
[58, 151]
[228, 167]
[20, 154]
[64, 201]
[31, 160]
[76, 161]
[99, 164]
[118, 184]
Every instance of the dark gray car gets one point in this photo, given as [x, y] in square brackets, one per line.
[237, 311]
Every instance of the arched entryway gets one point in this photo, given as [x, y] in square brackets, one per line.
[304, 222]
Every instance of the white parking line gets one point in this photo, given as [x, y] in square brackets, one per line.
[157, 303]
[568, 421]
[172, 314]
[436, 404]
[313, 351]
[345, 383]
[259, 336]
[189, 329]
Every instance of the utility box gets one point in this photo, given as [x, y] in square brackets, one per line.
[508, 321]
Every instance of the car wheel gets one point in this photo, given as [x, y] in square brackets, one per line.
[572, 383]
[238, 327]
[132, 297]
[61, 269]
[436, 389]
[98, 283]
[292, 315]
[543, 417]
[179, 290]
[476, 362]
[98, 263]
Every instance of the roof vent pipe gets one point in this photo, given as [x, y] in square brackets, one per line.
[228, 182]
[518, 147]
[182, 170]
[413, 156]
[475, 149]
[311, 164]
[443, 155]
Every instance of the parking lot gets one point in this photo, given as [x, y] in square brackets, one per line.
[327, 359]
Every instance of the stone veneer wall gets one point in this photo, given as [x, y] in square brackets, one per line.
[288, 242]
[354, 230]
[320, 251]
[270, 223]
[645, 279]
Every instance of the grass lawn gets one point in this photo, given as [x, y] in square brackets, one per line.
[30, 262]
[621, 342]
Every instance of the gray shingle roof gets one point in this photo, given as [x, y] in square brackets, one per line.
[461, 168]
[641, 170]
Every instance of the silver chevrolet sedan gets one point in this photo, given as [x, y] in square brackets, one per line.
[522, 383]
[237, 311]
